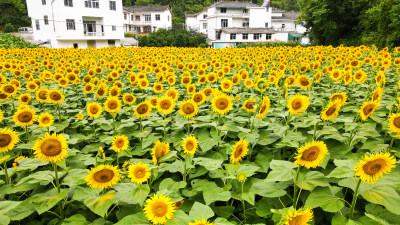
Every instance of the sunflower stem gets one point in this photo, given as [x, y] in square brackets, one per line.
[353, 203]
[27, 134]
[295, 188]
[8, 180]
[113, 125]
[56, 177]
[244, 205]
[315, 129]
[188, 127]
[391, 144]
[117, 160]
[59, 112]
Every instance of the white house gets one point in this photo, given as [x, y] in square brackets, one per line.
[77, 23]
[146, 19]
[229, 22]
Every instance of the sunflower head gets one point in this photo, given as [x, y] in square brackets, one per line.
[239, 151]
[139, 173]
[79, 116]
[129, 99]
[341, 96]
[165, 105]
[304, 82]
[8, 140]
[199, 98]
[94, 109]
[373, 166]
[188, 108]
[51, 148]
[103, 176]
[112, 105]
[143, 109]
[159, 150]
[159, 209]
[221, 103]
[250, 105]
[367, 109]
[298, 103]
[45, 120]
[55, 96]
[201, 221]
[178, 204]
[331, 111]
[297, 217]
[311, 155]
[120, 143]
[265, 104]
[24, 116]
[190, 145]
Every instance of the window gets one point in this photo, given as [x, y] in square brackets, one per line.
[43, 2]
[147, 18]
[114, 28]
[113, 5]
[157, 16]
[130, 28]
[245, 24]
[267, 9]
[37, 24]
[68, 3]
[245, 11]
[204, 16]
[92, 3]
[168, 17]
[70, 24]
[205, 25]
[224, 22]
[266, 24]
[256, 36]
[245, 36]
[137, 18]
[125, 16]
[223, 10]
[268, 37]
[111, 42]
[233, 36]
[75, 45]
[46, 20]
[283, 25]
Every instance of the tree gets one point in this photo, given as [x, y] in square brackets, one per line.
[142, 2]
[13, 12]
[127, 3]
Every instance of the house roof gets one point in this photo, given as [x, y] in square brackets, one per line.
[248, 30]
[150, 8]
[288, 15]
[233, 4]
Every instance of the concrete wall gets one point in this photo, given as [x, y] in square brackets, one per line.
[84, 44]
[165, 21]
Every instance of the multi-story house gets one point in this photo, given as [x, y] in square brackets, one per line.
[77, 23]
[229, 22]
[146, 19]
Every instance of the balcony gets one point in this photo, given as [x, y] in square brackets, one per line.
[93, 34]
[239, 15]
[283, 29]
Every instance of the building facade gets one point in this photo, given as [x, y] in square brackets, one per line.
[228, 22]
[77, 23]
[146, 19]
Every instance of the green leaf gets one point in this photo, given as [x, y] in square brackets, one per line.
[101, 204]
[381, 212]
[82, 193]
[377, 219]
[266, 188]
[30, 164]
[209, 164]
[281, 170]
[338, 219]
[171, 185]
[4, 220]
[77, 219]
[44, 201]
[324, 198]
[23, 210]
[222, 221]
[179, 218]
[136, 219]
[212, 193]
[131, 193]
[383, 195]
[6, 206]
[311, 179]
[200, 211]
[266, 137]
[75, 177]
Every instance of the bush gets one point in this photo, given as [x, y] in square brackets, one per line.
[130, 34]
[271, 44]
[176, 38]
[8, 28]
[10, 41]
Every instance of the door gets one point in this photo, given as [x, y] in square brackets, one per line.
[89, 27]
[91, 44]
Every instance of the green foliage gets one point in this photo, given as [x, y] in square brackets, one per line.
[177, 38]
[270, 44]
[8, 28]
[14, 12]
[10, 41]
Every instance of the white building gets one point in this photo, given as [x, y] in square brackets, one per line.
[146, 19]
[229, 22]
[77, 23]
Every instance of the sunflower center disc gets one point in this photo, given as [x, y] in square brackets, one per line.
[5, 139]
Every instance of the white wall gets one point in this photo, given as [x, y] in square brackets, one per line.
[165, 21]
[83, 43]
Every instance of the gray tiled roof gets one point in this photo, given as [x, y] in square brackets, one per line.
[248, 30]
[289, 15]
[233, 4]
[150, 8]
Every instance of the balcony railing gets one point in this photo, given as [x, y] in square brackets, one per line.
[241, 15]
[283, 29]
[147, 21]
[94, 34]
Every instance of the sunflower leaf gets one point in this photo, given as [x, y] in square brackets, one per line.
[100, 204]
[200, 211]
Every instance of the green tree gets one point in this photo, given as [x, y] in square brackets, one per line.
[13, 12]
[142, 2]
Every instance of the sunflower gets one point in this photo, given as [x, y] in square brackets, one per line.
[153, 102]
[239, 151]
[221, 103]
[159, 209]
[188, 108]
[120, 143]
[9, 89]
[165, 105]
[24, 99]
[360, 76]
[261, 85]
[190, 145]
[158, 88]
[112, 105]
[15, 163]
[299, 217]
[265, 104]
[1, 115]
[199, 98]
[52, 148]
[304, 82]
[24, 116]
[341, 96]
[129, 99]
[55, 96]
[367, 109]
[8, 140]
[45, 120]
[79, 116]
[139, 173]
[376, 95]
[41, 95]
[311, 155]
[88, 88]
[298, 103]
[159, 150]
[143, 109]
[201, 222]
[103, 176]
[331, 111]
[374, 166]
[394, 123]
[226, 85]
[94, 109]
[173, 93]
[249, 105]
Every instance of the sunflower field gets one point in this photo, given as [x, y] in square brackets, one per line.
[282, 135]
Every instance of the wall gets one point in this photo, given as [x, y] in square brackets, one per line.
[83, 43]
[165, 21]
